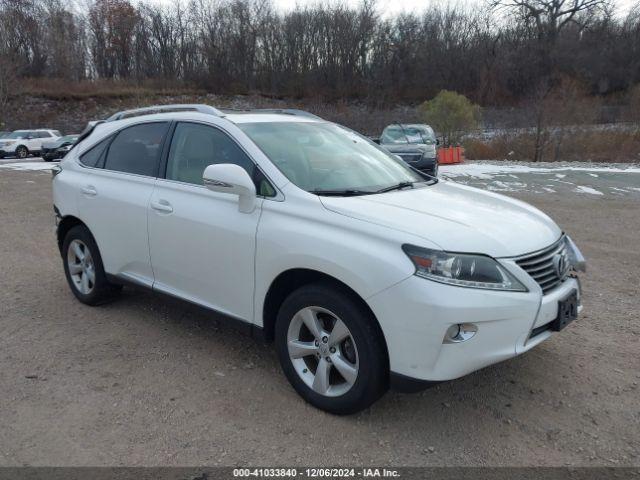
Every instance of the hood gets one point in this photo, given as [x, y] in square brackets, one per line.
[429, 150]
[455, 217]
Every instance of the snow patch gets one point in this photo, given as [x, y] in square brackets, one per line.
[487, 170]
[30, 166]
[585, 189]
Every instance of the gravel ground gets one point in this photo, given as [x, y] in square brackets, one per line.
[149, 381]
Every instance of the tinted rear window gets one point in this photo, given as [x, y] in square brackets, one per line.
[91, 158]
[137, 149]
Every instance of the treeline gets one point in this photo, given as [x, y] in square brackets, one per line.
[490, 53]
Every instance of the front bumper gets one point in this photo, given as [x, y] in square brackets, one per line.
[416, 313]
[427, 165]
[52, 154]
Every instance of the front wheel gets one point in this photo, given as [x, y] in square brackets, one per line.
[331, 349]
[22, 152]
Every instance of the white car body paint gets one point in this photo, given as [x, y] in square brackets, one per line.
[208, 252]
[32, 140]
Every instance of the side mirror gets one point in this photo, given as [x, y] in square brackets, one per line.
[233, 179]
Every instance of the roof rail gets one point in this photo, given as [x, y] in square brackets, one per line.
[281, 111]
[187, 107]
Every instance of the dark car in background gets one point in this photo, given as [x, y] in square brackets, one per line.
[415, 143]
[58, 149]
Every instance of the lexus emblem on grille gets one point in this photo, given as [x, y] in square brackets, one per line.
[560, 265]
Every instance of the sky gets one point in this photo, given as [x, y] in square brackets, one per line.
[391, 7]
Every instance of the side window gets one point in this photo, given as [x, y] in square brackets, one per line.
[137, 149]
[92, 157]
[194, 147]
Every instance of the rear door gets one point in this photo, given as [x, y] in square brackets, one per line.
[115, 194]
[39, 138]
[202, 247]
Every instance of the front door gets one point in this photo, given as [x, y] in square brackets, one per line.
[202, 247]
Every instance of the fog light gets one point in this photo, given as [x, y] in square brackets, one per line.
[460, 332]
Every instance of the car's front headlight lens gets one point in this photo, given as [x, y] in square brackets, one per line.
[461, 269]
[66, 148]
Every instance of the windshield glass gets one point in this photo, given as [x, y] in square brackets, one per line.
[324, 157]
[403, 134]
[17, 134]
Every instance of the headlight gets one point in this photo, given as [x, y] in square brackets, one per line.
[66, 148]
[7, 142]
[462, 270]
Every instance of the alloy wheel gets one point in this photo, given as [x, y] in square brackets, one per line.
[81, 267]
[322, 351]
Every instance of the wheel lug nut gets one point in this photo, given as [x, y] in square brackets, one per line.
[328, 359]
[325, 339]
[332, 350]
[316, 342]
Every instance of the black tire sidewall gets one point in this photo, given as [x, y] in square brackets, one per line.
[373, 375]
[22, 148]
[102, 290]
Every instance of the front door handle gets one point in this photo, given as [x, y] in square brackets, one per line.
[90, 190]
[162, 206]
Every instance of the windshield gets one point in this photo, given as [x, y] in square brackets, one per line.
[326, 158]
[403, 134]
[17, 134]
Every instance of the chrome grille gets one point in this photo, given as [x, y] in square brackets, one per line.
[549, 267]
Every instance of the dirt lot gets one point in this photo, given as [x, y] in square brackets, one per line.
[148, 381]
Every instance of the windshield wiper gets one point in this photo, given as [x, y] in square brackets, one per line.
[397, 186]
[341, 193]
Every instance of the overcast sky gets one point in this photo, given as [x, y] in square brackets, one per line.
[397, 6]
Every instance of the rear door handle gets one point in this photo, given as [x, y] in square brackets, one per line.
[162, 206]
[90, 190]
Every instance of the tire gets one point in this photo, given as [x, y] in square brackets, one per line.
[362, 349]
[98, 289]
[22, 152]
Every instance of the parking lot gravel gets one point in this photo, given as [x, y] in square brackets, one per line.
[149, 381]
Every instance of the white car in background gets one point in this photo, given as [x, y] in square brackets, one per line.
[365, 272]
[22, 143]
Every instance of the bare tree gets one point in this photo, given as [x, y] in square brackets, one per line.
[549, 18]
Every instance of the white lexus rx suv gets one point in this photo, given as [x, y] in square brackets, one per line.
[365, 272]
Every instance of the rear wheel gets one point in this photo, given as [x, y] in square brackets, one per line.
[22, 152]
[83, 267]
[331, 349]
